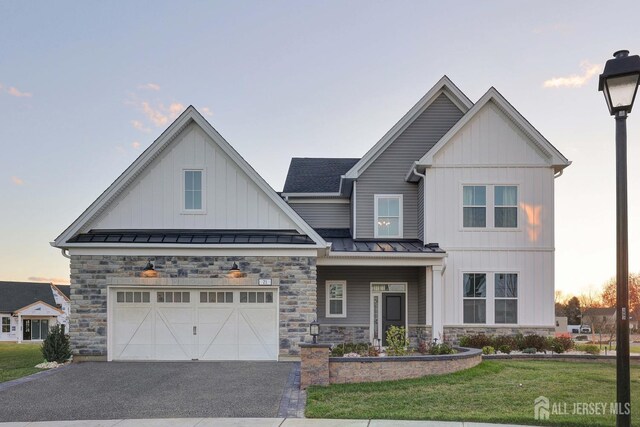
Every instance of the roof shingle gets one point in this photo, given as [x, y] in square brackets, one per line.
[16, 295]
[316, 175]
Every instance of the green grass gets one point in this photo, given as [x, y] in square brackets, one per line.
[494, 391]
[18, 360]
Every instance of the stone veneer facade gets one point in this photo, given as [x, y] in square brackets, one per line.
[89, 275]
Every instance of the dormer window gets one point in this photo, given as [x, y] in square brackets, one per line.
[193, 184]
[388, 215]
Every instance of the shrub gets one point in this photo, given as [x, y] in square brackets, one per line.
[555, 345]
[504, 349]
[502, 341]
[487, 349]
[397, 341]
[340, 350]
[476, 341]
[55, 347]
[538, 342]
[566, 343]
[589, 348]
[530, 350]
[423, 347]
[443, 348]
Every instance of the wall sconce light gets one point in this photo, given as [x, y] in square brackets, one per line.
[235, 271]
[149, 271]
[314, 330]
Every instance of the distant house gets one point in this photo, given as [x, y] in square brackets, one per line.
[562, 326]
[28, 310]
[601, 319]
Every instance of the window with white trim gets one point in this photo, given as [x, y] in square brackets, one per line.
[193, 194]
[475, 297]
[474, 206]
[336, 299]
[132, 297]
[505, 206]
[506, 298]
[6, 325]
[388, 215]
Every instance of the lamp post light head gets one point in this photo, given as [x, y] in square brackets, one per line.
[619, 81]
[314, 330]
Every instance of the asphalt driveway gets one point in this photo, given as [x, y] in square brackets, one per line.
[150, 390]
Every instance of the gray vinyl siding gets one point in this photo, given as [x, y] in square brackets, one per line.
[324, 215]
[359, 281]
[420, 211]
[386, 175]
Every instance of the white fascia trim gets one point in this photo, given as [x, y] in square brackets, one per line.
[194, 252]
[338, 194]
[319, 201]
[444, 85]
[385, 255]
[379, 262]
[551, 154]
[188, 116]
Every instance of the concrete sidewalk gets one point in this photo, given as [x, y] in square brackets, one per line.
[241, 422]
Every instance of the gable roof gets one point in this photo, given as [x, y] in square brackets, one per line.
[551, 153]
[316, 175]
[599, 311]
[444, 85]
[17, 295]
[190, 115]
[65, 290]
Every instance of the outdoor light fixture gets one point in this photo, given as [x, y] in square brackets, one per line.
[314, 330]
[619, 82]
[235, 271]
[149, 271]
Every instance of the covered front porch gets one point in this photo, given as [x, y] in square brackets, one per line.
[361, 295]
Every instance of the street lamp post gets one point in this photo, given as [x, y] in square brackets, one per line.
[619, 82]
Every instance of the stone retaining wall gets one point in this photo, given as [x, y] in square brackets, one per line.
[89, 275]
[453, 333]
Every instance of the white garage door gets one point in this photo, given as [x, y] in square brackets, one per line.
[196, 324]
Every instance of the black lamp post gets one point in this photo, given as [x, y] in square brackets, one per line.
[619, 82]
[314, 330]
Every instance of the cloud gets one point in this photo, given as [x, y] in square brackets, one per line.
[575, 80]
[207, 111]
[140, 126]
[49, 279]
[150, 86]
[135, 144]
[15, 92]
[160, 115]
[16, 180]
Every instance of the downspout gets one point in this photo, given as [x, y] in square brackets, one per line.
[424, 204]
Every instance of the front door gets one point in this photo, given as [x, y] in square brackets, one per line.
[26, 329]
[393, 312]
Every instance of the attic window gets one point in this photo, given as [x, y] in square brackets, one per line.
[388, 215]
[193, 184]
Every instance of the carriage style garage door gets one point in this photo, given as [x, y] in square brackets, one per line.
[193, 324]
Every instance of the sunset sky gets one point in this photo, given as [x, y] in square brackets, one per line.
[86, 86]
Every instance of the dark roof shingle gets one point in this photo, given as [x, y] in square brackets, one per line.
[16, 295]
[316, 175]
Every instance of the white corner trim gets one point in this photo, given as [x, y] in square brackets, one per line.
[444, 85]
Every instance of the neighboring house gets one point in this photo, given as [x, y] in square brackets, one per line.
[601, 319]
[28, 310]
[446, 227]
[562, 326]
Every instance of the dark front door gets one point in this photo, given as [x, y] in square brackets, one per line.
[26, 329]
[393, 312]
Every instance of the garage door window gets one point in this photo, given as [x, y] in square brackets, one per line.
[133, 297]
[170, 297]
[256, 297]
[216, 297]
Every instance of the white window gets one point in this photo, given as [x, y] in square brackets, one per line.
[388, 215]
[474, 206]
[6, 325]
[173, 297]
[132, 297]
[475, 297]
[336, 299]
[506, 298]
[506, 206]
[216, 297]
[193, 190]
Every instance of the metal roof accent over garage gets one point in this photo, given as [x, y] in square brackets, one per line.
[203, 237]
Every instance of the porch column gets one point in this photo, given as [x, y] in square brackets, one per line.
[437, 324]
[19, 328]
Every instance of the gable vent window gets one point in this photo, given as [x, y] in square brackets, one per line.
[193, 197]
[388, 214]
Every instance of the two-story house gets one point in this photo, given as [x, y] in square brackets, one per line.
[444, 227]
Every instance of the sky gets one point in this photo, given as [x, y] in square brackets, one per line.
[86, 86]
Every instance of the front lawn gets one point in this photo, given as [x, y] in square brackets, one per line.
[494, 391]
[18, 360]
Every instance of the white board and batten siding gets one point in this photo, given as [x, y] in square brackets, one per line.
[491, 150]
[231, 200]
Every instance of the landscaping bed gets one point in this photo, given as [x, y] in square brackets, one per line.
[499, 391]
